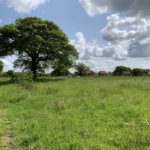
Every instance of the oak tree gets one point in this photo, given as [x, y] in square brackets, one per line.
[38, 44]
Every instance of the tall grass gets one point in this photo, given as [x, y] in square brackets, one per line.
[107, 113]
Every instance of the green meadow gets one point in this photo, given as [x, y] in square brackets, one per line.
[93, 113]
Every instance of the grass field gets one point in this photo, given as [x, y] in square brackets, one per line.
[104, 113]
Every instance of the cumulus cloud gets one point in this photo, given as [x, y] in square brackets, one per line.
[24, 6]
[131, 7]
[85, 48]
[91, 49]
[127, 37]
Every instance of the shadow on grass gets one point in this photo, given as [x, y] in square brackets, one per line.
[43, 80]
[5, 82]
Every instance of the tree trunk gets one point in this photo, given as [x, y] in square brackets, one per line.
[34, 74]
[34, 69]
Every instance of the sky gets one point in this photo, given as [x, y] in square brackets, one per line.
[106, 33]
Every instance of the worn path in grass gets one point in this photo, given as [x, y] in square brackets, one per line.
[7, 131]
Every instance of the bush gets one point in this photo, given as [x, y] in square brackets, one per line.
[140, 72]
[60, 72]
[122, 70]
[21, 76]
[82, 70]
[10, 73]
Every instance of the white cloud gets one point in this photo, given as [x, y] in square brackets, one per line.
[127, 37]
[86, 49]
[24, 6]
[91, 49]
[131, 7]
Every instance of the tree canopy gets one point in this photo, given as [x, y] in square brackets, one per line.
[38, 43]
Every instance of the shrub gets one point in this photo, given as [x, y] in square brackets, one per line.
[122, 70]
[82, 70]
[10, 73]
[60, 72]
[21, 76]
[140, 72]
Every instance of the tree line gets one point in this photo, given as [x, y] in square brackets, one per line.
[40, 44]
[81, 70]
[126, 71]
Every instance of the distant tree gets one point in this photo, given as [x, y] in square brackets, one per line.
[121, 70]
[103, 73]
[1, 67]
[82, 69]
[60, 71]
[38, 44]
[61, 68]
[10, 73]
[147, 71]
[92, 73]
[140, 72]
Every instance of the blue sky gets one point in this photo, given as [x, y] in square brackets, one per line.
[68, 14]
[105, 33]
